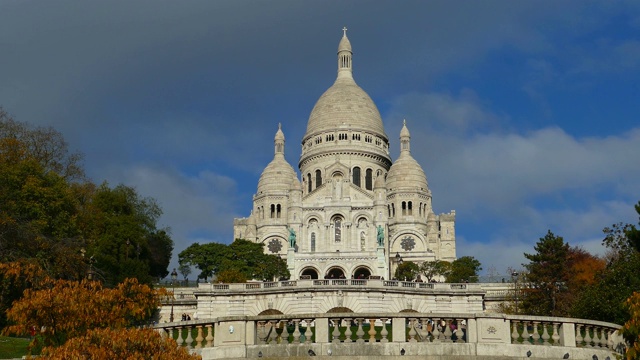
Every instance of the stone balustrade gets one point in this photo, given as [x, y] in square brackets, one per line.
[390, 334]
[369, 283]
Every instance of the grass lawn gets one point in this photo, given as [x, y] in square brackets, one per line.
[11, 347]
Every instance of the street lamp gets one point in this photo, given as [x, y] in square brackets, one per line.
[174, 276]
[398, 260]
[514, 275]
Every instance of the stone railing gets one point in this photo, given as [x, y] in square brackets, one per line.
[322, 283]
[489, 335]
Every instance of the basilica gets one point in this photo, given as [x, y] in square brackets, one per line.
[353, 212]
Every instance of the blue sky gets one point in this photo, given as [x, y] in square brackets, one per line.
[523, 114]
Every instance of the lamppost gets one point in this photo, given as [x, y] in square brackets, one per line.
[399, 260]
[514, 279]
[174, 276]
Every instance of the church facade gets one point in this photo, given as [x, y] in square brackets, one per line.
[353, 213]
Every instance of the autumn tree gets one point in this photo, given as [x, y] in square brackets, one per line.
[109, 344]
[631, 329]
[464, 269]
[65, 309]
[46, 145]
[434, 270]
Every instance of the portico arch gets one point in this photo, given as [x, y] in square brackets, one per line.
[335, 272]
[309, 271]
[361, 272]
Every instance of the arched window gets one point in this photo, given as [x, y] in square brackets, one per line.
[389, 210]
[309, 182]
[313, 242]
[278, 211]
[404, 208]
[368, 180]
[318, 178]
[393, 210]
[356, 176]
[337, 225]
[409, 209]
[273, 211]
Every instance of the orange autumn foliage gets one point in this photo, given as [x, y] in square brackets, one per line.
[65, 309]
[108, 344]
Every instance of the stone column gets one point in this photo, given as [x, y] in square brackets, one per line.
[291, 254]
[398, 325]
[322, 330]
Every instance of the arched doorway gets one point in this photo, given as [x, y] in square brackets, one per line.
[309, 273]
[335, 273]
[361, 273]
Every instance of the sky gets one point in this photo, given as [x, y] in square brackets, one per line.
[523, 114]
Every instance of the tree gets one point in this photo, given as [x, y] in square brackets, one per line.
[407, 271]
[46, 145]
[120, 228]
[631, 329]
[243, 256]
[464, 269]
[65, 309]
[108, 344]
[185, 270]
[434, 270]
[547, 277]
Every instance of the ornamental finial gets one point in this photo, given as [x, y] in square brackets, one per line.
[345, 31]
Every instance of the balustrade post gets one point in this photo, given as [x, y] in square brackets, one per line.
[587, 336]
[412, 329]
[199, 337]
[209, 337]
[514, 333]
[189, 339]
[347, 331]
[336, 330]
[472, 331]
[308, 333]
[536, 335]
[398, 327]
[296, 331]
[372, 330]
[360, 332]
[424, 331]
[459, 332]
[384, 332]
[436, 332]
[555, 336]
[179, 340]
[545, 334]
[447, 330]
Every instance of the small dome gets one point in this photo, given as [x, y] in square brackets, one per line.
[279, 133]
[277, 176]
[406, 173]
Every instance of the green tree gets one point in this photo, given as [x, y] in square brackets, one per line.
[407, 271]
[120, 228]
[242, 256]
[547, 277]
[604, 298]
[434, 270]
[464, 269]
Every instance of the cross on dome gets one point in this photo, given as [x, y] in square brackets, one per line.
[345, 31]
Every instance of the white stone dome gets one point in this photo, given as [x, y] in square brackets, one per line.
[406, 173]
[277, 176]
[345, 105]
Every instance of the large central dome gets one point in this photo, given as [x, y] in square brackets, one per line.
[344, 105]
